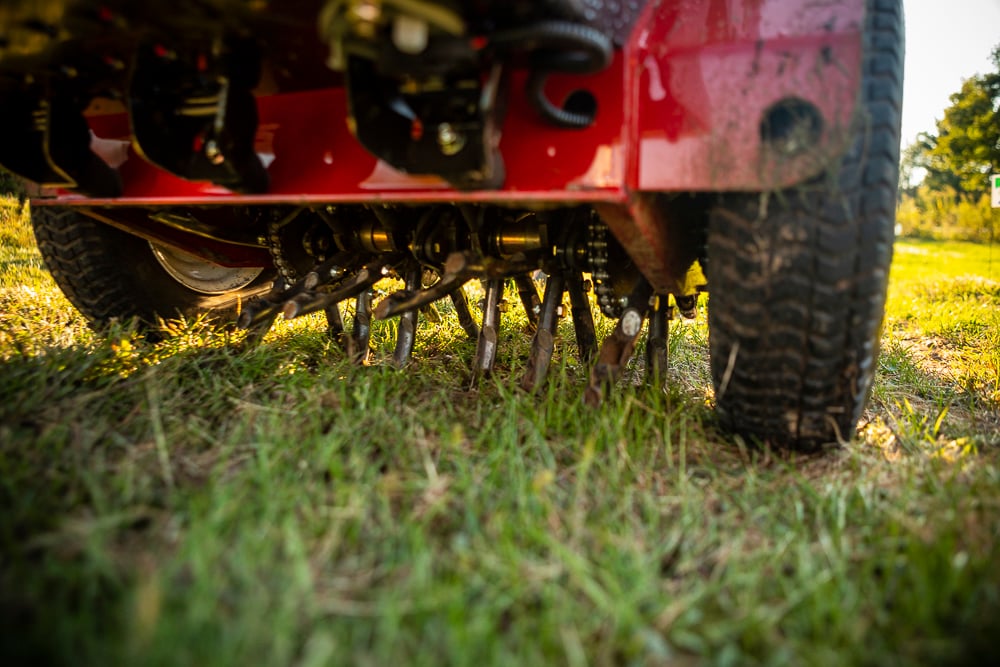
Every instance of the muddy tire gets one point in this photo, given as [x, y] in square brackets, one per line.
[109, 275]
[798, 278]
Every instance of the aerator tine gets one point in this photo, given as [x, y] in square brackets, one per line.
[258, 315]
[486, 347]
[335, 325]
[543, 343]
[617, 348]
[358, 348]
[309, 302]
[656, 338]
[412, 298]
[407, 328]
[267, 308]
[465, 319]
[583, 318]
[529, 298]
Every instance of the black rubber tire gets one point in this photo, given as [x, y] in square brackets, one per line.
[798, 278]
[110, 275]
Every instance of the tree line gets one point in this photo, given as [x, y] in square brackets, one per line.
[955, 162]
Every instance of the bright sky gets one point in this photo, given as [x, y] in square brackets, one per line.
[946, 42]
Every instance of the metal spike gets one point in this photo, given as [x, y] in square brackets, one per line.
[359, 348]
[335, 325]
[486, 348]
[617, 348]
[262, 311]
[459, 268]
[656, 339]
[543, 343]
[258, 315]
[465, 319]
[310, 302]
[268, 307]
[256, 332]
[529, 298]
[407, 329]
[583, 318]
[412, 299]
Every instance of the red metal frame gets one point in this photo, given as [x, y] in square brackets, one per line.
[678, 110]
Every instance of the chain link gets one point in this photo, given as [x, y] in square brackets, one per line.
[597, 252]
[274, 226]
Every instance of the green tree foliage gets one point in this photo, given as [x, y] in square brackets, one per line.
[966, 148]
[956, 162]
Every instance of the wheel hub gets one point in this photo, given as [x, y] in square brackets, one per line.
[200, 275]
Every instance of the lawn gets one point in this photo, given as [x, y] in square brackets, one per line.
[190, 503]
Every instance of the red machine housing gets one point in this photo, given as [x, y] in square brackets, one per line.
[682, 108]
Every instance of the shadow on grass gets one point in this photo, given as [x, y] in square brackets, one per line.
[282, 490]
[85, 430]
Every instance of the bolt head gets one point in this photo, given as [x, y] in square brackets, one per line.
[450, 140]
[213, 152]
[631, 322]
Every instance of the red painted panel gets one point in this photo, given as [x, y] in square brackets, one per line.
[678, 110]
[312, 156]
[704, 73]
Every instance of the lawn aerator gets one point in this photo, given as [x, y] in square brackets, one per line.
[254, 158]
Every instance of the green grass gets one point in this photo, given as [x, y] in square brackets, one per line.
[186, 503]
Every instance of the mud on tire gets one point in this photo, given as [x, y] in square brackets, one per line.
[798, 278]
[109, 275]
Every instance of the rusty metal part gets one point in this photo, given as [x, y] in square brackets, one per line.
[663, 246]
[250, 318]
[529, 298]
[583, 318]
[617, 348]
[407, 327]
[359, 349]
[543, 343]
[489, 333]
[459, 268]
[310, 302]
[656, 338]
[268, 307]
[406, 300]
[262, 312]
[335, 325]
[465, 319]
[687, 305]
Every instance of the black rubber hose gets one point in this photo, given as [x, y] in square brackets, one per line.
[558, 46]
